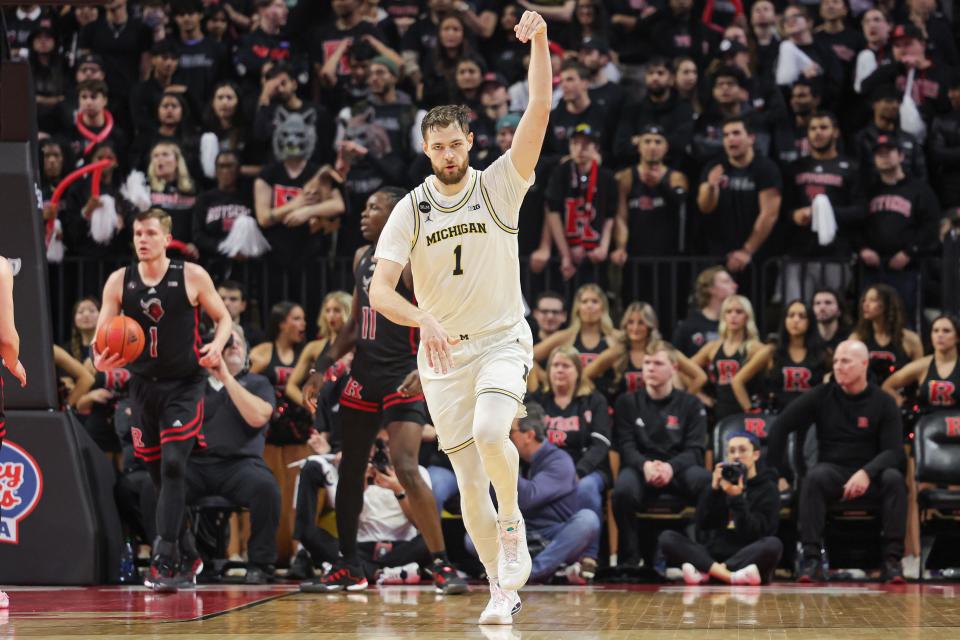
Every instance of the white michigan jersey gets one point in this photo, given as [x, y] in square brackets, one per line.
[463, 249]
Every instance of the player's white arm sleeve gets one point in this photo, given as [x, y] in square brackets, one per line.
[400, 233]
[505, 188]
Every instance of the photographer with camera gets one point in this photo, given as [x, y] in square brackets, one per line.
[390, 550]
[737, 520]
[237, 405]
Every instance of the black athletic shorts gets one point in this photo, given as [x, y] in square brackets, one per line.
[166, 411]
[371, 393]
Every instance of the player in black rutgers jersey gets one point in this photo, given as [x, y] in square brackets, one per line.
[167, 379]
[380, 393]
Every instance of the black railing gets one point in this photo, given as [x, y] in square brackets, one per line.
[666, 283]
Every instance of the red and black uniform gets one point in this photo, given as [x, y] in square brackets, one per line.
[385, 354]
[789, 380]
[100, 424]
[166, 384]
[582, 429]
[290, 423]
[721, 371]
[587, 355]
[937, 392]
[632, 378]
[884, 360]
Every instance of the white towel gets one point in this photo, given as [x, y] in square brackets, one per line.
[866, 64]
[910, 120]
[791, 63]
[209, 149]
[824, 222]
[55, 246]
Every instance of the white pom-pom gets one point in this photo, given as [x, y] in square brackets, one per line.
[824, 222]
[55, 246]
[866, 64]
[244, 240]
[910, 119]
[791, 63]
[209, 148]
[103, 220]
[135, 190]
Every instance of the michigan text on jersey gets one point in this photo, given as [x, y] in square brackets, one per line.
[455, 231]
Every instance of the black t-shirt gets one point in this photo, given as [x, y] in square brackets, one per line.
[844, 45]
[563, 123]
[694, 332]
[731, 223]
[214, 213]
[653, 216]
[180, 207]
[839, 180]
[121, 50]
[202, 63]
[227, 434]
[288, 244]
[582, 428]
[585, 201]
[258, 46]
[327, 37]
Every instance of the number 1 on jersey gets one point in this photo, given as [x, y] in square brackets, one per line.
[153, 342]
[457, 271]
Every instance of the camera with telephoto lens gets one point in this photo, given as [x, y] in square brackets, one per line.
[380, 460]
[732, 472]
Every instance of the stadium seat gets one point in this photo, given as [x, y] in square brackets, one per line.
[217, 510]
[937, 453]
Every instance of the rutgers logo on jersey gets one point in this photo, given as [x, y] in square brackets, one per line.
[587, 358]
[796, 378]
[726, 370]
[953, 427]
[633, 380]
[353, 389]
[673, 422]
[116, 379]
[863, 422]
[557, 438]
[153, 308]
[282, 374]
[883, 355]
[942, 393]
[756, 426]
[579, 223]
[282, 195]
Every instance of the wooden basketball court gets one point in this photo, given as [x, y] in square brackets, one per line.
[788, 611]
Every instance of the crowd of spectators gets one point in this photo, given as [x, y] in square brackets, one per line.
[823, 135]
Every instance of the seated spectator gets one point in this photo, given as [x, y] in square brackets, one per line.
[792, 366]
[77, 212]
[333, 317]
[722, 359]
[825, 171]
[269, 41]
[736, 523]
[558, 530]
[549, 314]
[860, 453]
[51, 76]
[740, 197]
[174, 125]
[234, 297]
[391, 551]
[591, 330]
[639, 331]
[936, 377]
[885, 101]
[945, 148]
[173, 190]
[581, 200]
[711, 288]
[577, 420]
[237, 407]
[202, 60]
[687, 76]
[832, 324]
[901, 226]
[438, 62]
[661, 106]
[224, 119]
[98, 408]
[661, 435]
[73, 379]
[674, 30]
[882, 327]
[216, 211]
[93, 124]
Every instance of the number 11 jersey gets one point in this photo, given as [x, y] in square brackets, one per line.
[463, 249]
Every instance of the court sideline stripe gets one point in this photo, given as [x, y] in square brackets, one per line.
[216, 614]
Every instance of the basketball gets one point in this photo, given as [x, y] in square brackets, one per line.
[124, 336]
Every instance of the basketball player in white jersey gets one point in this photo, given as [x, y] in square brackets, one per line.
[458, 230]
